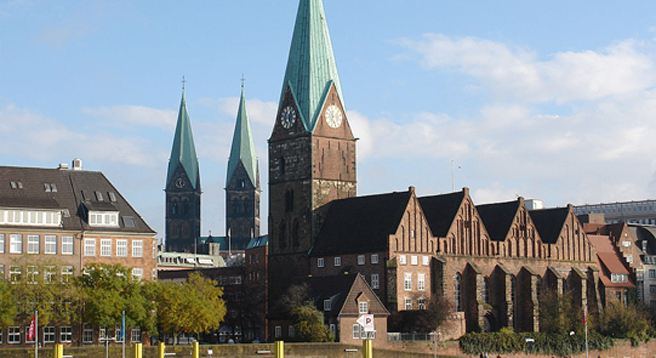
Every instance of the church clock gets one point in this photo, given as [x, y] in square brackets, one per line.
[288, 117]
[333, 116]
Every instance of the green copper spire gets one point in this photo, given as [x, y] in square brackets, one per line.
[183, 152]
[311, 67]
[243, 147]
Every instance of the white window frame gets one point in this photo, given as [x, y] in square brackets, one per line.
[326, 305]
[15, 273]
[67, 273]
[33, 242]
[87, 334]
[50, 244]
[407, 281]
[375, 281]
[121, 248]
[425, 260]
[356, 331]
[414, 261]
[421, 281]
[338, 261]
[15, 243]
[67, 245]
[2, 246]
[320, 262]
[408, 303]
[402, 260]
[291, 332]
[135, 335]
[421, 303]
[89, 247]
[49, 273]
[65, 334]
[137, 273]
[137, 248]
[374, 259]
[363, 307]
[13, 335]
[361, 260]
[105, 247]
[49, 334]
[277, 331]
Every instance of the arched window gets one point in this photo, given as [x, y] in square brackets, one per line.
[282, 165]
[485, 292]
[457, 292]
[282, 235]
[289, 200]
[538, 287]
[513, 288]
[295, 234]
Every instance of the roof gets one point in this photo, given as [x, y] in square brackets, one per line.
[441, 210]
[342, 291]
[549, 223]
[183, 152]
[609, 257]
[243, 146]
[498, 218]
[71, 191]
[361, 224]
[258, 242]
[311, 66]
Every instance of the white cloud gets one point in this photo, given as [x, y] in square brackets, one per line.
[134, 117]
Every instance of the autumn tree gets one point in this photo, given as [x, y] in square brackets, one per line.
[558, 314]
[8, 306]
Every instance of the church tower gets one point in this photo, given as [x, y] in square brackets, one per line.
[182, 188]
[311, 148]
[242, 184]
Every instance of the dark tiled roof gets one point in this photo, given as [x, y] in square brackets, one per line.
[342, 290]
[441, 210]
[72, 191]
[498, 218]
[549, 223]
[362, 224]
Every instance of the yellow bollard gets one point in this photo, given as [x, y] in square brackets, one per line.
[195, 351]
[137, 350]
[367, 349]
[280, 349]
[161, 348]
[58, 351]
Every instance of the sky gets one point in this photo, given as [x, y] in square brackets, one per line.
[549, 100]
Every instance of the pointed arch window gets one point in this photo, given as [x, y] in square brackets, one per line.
[282, 228]
[485, 292]
[457, 292]
[295, 234]
[289, 200]
[282, 165]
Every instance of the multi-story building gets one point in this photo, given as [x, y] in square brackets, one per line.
[640, 211]
[54, 222]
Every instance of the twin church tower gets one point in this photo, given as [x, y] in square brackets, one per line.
[311, 158]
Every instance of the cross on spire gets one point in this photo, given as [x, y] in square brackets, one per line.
[183, 82]
[243, 79]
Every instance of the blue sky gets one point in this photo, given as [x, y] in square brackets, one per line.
[549, 100]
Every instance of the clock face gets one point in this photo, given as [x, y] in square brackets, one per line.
[288, 117]
[333, 116]
[180, 183]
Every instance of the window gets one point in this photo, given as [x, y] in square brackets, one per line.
[50, 244]
[2, 243]
[413, 260]
[67, 273]
[49, 334]
[457, 285]
[89, 247]
[66, 334]
[652, 273]
[320, 262]
[13, 335]
[421, 303]
[356, 331]
[108, 219]
[49, 274]
[122, 248]
[652, 288]
[137, 274]
[375, 281]
[0, 335]
[408, 303]
[338, 261]
[421, 282]
[278, 331]
[15, 244]
[15, 273]
[374, 258]
[326, 305]
[425, 260]
[67, 245]
[105, 247]
[408, 281]
[360, 260]
[137, 248]
[87, 334]
[618, 277]
[363, 307]
[2, 272]
[290, 331]
[402, 260]
[32, 244]
[32, 274]
[486, 290]
[135, 335]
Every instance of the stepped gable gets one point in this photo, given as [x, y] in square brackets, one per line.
[441, 211]
[362, 224]
[549, 223]
[498, 218]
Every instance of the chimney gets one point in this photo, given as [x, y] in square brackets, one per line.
[77, 164]
[63, 166]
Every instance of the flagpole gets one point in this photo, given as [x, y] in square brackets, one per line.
[36, 334]
[123, 332]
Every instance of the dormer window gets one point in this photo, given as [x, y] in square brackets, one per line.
[619, 278]
[363, 307]
[103, 218]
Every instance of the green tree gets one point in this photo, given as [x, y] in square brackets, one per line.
[620, 321]
[8, 308]
[308, 321]
[195, 306]
[558, 314]
[108, 290]
[425, 320]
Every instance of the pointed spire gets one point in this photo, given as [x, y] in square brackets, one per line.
[183, 151]
[311, 66]
[243, 146]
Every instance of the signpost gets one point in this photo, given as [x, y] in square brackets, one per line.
[367, 321]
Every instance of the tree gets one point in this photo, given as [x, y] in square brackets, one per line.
[308, 321]
[558, 314]
[427, 320]
[195, 306]
[620, 321]
[8, 308]
[108, 290]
